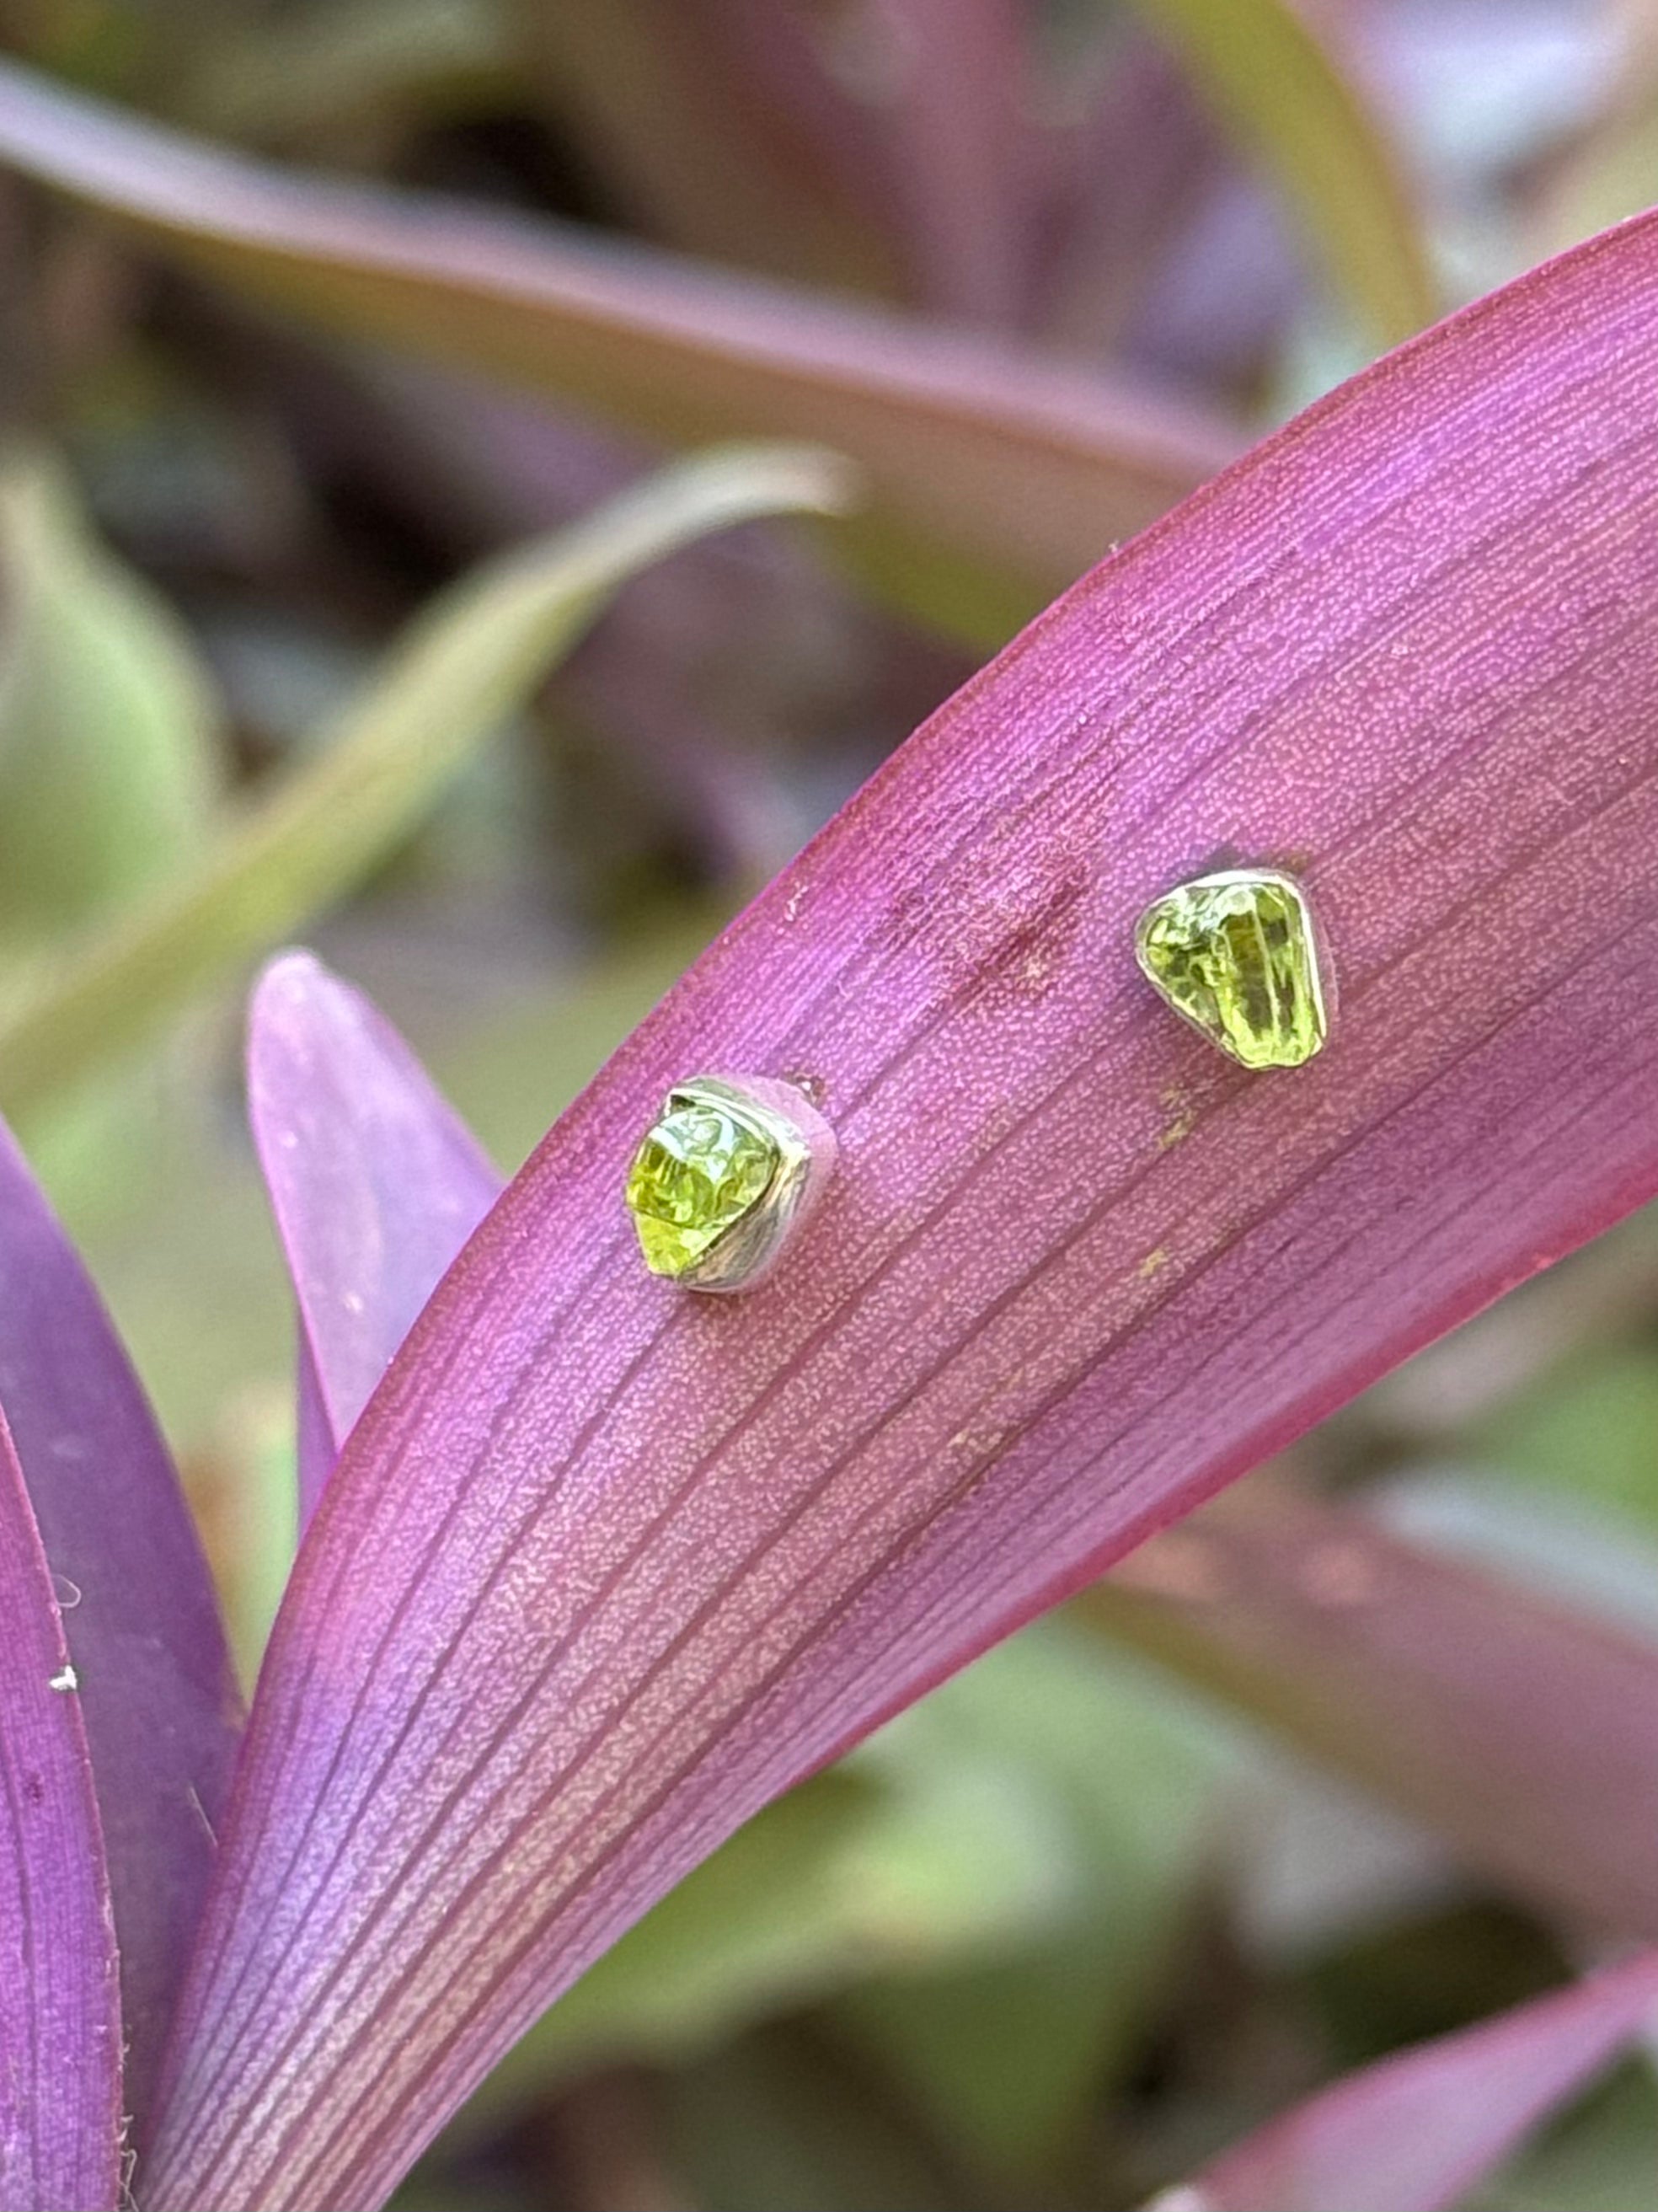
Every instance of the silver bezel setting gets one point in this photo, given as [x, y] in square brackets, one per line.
[745, 1255]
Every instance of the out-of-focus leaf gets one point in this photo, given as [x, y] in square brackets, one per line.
[1281, 88]
[1415, 2132]
[1006, 2054]
[959, 111]
[710, 673]
[1589, 1432]
[995, 476]
[686, 134]
[107, 751]
[773, 2125]
[833, 80]
[282, 77]
[60, 2014]
[604, 1568]
[1613, 176]
[791, 1908]
[1609, 169]
[441, 693]
[1401, 1670]
[1143, 159]
[1597, 2160]
[191, 1273]
[1433, 1965]
[1598, 1303]
[1571, 1550]
[109, 768]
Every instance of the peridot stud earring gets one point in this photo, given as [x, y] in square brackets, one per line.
[1236, 954]
[726, 1174]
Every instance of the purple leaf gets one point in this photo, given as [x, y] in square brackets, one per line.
[161, 1706]
[60, 2014]
[1399, 1668]
[375, 1183]
[604, 1567]
[1417, 2131]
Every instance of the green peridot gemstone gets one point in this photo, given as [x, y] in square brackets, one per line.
[1235, 953]
[700, 1169]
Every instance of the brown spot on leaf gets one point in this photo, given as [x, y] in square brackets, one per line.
[1001, 935]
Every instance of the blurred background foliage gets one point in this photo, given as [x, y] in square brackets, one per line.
[1250, 1813]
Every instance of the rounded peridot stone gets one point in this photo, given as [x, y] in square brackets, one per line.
[700, 1169]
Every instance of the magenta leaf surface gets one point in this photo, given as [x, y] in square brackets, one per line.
[159, 1702]
[60, 2013]
[375, 1183]
[604, 1567]
[1417, 2131]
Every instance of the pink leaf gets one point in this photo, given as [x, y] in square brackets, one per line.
[604, 1566]
[1418, 2130]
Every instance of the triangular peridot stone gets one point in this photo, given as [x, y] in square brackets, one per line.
[1235, 954]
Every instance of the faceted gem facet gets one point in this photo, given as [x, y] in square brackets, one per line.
[700, 1169]
[1235, 953]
